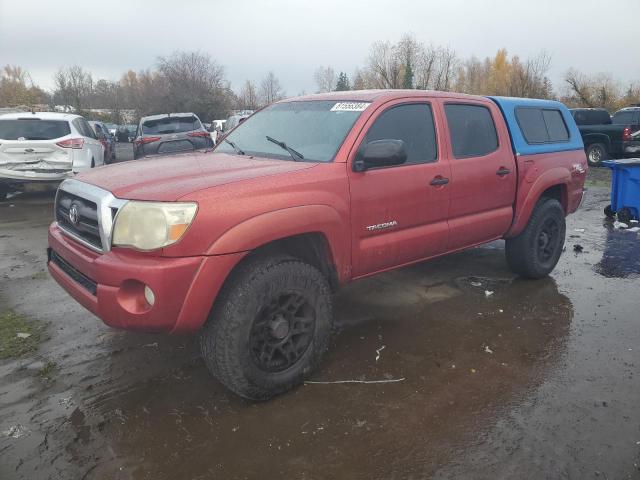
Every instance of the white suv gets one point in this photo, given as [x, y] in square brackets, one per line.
[45, 147]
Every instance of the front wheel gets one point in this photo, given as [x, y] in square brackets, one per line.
[536, 251]
[269, 327]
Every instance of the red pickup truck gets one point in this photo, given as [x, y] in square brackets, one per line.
[246, 243]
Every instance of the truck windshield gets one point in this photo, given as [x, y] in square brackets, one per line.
[316, 129]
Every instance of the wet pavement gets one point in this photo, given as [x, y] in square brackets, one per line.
[538, 379]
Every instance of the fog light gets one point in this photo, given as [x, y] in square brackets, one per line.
[149, 295]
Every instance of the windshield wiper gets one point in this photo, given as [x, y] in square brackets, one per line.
[294, 154]
[234, 146]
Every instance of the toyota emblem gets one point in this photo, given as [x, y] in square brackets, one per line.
[73, 214]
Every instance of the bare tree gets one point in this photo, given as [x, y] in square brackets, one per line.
[17, 88]
[592, 91]
[195, 83]
[248, 97]
[74, 86]
[446, 61]
[384, 66]
[325, 78]
[270, 89]
[425, 65]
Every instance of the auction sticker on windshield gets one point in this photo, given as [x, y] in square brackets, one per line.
[349, 106]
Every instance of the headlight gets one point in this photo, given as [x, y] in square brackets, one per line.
[152, 225]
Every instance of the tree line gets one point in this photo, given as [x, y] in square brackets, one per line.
[195, 82]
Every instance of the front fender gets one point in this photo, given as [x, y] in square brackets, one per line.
[530, 193]
[268, 227]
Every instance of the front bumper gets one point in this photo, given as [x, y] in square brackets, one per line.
[111, 285]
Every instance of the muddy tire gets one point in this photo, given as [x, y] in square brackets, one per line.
[596, 153]
[536, 251]
[269, 327]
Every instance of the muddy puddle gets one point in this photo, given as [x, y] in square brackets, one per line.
[532, 380]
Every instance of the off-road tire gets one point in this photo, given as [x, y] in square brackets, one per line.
[596, 153]
[527, 253]
[226, 338]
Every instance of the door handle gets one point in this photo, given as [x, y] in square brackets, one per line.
[439, 181]
[502, 171]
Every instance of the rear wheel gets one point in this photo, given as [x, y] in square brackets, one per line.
[269, 328]
[596, 153]
[536, 251]
[93, 163]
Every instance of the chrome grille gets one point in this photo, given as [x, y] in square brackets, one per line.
[86, 224]
[86, 213]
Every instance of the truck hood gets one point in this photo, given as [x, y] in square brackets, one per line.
[172, 177]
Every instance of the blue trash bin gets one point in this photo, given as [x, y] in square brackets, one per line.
[625, 189]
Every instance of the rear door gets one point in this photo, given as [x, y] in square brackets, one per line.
[93, 146]
[399, 214]
[483, 173]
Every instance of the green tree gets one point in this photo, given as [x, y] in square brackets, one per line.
[408, 74]
[343, 83]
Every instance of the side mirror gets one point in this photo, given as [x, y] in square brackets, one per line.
[380, 153]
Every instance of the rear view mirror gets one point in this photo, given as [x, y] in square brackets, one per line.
[380, 153]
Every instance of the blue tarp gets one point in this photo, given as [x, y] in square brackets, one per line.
[508, 106]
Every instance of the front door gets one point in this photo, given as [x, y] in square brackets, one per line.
[399, 213]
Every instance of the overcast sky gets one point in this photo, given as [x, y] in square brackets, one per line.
[292, 37]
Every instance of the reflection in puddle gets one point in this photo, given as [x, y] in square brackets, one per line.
[621, 255]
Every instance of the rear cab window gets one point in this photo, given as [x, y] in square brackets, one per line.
[542, 125]
[163, 126]
[33, 129]
[628, 117]
[471, 130]
[591, 117]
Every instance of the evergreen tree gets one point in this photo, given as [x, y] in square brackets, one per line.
[343, 82]
[408, 75]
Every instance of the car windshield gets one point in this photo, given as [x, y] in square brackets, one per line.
[166, 125]
[316, 129]
[33, 129]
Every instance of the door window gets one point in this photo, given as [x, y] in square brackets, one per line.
[411, 123]
[471, 128]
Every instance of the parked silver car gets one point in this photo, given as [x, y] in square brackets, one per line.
[45, 147]
[170, 133]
